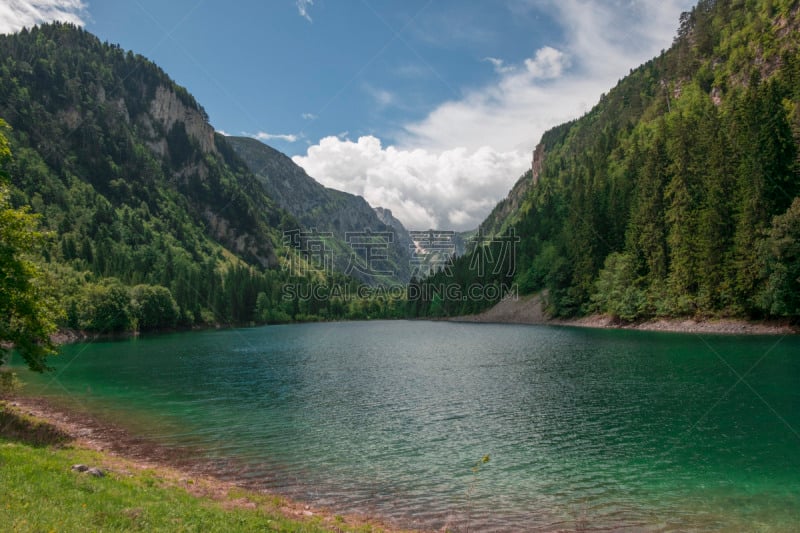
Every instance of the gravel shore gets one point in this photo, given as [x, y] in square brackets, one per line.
[183, 467]
[530, 310]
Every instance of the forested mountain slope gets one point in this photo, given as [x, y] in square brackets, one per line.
[154, 220]
[677, 194]
[325, 210]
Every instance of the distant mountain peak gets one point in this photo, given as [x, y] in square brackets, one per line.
[323, 209]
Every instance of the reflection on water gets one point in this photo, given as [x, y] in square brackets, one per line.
[589, 430]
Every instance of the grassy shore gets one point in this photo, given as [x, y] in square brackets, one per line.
[42, 492]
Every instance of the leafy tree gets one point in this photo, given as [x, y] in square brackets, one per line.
[149, 217]
[28, 313]
[153, 307]
[104, 308]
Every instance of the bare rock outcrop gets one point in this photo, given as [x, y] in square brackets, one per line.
[167, 109]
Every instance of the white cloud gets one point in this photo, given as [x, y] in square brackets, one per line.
[302, 8]
[548, 63]
[264, 136]
[601, 42]
[499, 65]
[224, 133]
[382, 97]
[453, 189]
[449, 169]
[309, 116]
[18, 14]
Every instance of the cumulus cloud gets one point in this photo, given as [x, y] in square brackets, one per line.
[499, 65]
[449, 169]
[264, 136]
[453, 189]
[18, 14]
[601, 42]
[309, 116]
[302, 8]
[548, 63]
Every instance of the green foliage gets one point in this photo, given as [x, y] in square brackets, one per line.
[326, 211]
[9, 382]
[267, 313]
[153, 307]
[469, 283]
[616, 289]
[27, 310]
[103, 307]
[780, 296]
[662, 200]
[156, 222]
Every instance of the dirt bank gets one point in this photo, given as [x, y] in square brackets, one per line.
[530, 310]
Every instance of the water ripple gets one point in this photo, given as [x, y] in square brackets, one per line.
[586, 430]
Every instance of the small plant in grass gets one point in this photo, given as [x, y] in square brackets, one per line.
[9, 382]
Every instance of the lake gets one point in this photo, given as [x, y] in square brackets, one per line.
[585, 429]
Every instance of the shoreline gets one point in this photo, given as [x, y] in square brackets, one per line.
[529, 310]
[124, 451]
[524, 310]
[73, 336]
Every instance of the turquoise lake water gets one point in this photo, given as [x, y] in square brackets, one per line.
[586, 429]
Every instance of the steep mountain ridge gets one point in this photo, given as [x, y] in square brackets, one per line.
[155, 220]
[387, 217]
[757, 42]
[677, 194]
[82, 96]
[323, 209]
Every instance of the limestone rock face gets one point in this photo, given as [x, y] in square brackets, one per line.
[538, 161]
[167, 109]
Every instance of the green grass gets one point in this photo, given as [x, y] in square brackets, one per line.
[39, 491]
[42, 493]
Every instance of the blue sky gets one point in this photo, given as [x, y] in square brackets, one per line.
[345, 67]
[428, 107]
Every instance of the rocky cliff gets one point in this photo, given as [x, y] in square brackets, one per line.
[94, 118]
